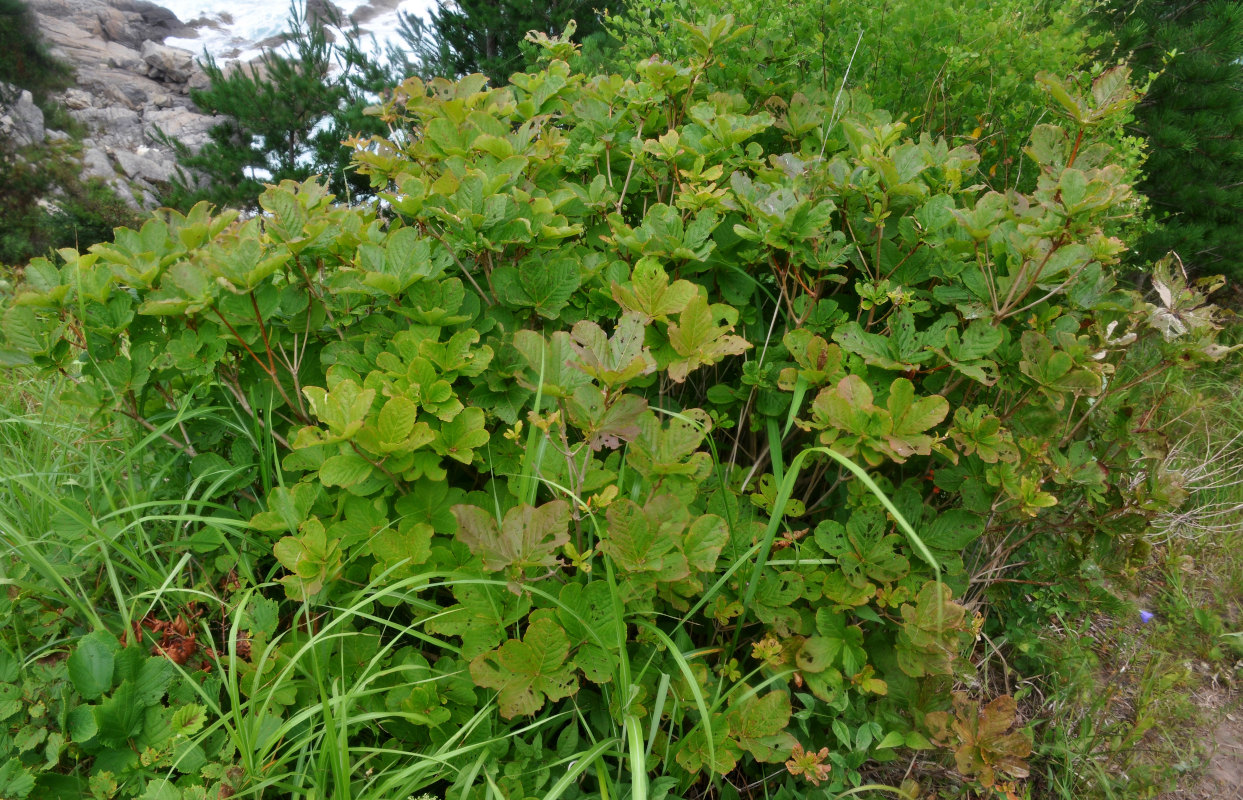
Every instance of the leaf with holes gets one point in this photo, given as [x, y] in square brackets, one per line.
[606, 422]
[613, 360]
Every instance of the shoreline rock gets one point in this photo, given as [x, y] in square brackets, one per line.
[128, 84]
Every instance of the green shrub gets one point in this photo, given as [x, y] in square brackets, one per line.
[962, 69]
[46, 204]
[640, 438]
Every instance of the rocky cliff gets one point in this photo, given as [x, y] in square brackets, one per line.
[128, 85]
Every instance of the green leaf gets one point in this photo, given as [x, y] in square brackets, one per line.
[15, 780]
[188, 720]
[819, 362]
[288, 507]
[936, 213]
[671, 449]
[694, 754]
[24, 331]
[644, 539]
[891, 740]
[311, 556]
[844, 642]
[911, 418]
[928, 641]
[91, 664]
[525, 672]
[979, 340]
[650, 294]
[704, 540]
[953, 530]
[876, 349]
[397, 419]
[82, 724]
[700, 341]
[120, 717]
[153, 679]
[405, 259]
[538, 284]
[402, 549]
[527, 537]
[614, 360]
[1050, 145]
[10, 700]
[345, 470]
[461, 436]
[343, 409]
[758, 725]
[552, 360]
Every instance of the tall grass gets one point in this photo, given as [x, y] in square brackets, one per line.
[1118, 718]
[98, 523]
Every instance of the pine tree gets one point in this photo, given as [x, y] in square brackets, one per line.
[486, 36]
[284, 117]
[1193, 121]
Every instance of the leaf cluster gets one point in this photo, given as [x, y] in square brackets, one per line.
[635, 413]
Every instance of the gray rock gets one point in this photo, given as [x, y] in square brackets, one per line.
[113, 25]
[138, 166]
[76, 99]
[21, 121]
[132, 95]
[96, 164]
[129, 86]
[165, 63]
[126, 58]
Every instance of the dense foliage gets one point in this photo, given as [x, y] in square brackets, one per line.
[24, 60]
[1192, 117]
[45, 203]
[644, 438]
[967, 70]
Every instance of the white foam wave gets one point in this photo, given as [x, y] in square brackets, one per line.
[234, 29]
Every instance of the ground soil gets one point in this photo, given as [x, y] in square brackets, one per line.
[1222, 778]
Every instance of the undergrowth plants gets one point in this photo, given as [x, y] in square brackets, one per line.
[640, 442]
